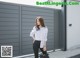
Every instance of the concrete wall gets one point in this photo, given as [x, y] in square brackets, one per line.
[73, 32]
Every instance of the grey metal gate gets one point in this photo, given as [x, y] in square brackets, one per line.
[16, 22]
[9, 26]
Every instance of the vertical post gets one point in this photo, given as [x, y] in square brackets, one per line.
[20, 29]
[53, 30]
[64, 27]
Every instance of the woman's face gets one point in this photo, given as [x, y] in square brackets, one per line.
[38, 22]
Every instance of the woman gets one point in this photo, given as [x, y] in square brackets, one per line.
[39, 35]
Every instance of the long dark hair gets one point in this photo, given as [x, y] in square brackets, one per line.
[41, 20]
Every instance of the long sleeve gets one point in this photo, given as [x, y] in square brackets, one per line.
[32, 33]
[46, 34]
[43, 42]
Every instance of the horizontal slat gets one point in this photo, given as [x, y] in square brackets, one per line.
[13, 44]
[50, 48]
[9, 32]
[34, 16]
[9, 23]
[35, 9]
[27, 24]
[25, 28]
[26, 31]
[27, 42]
[28, 49]
[16, 48]
[9, 15]
[28, 39]
[28, 20]
[36, 13]
[27, 46]
[9, 20]
[9, 11]
[8, 6]
[29, 6]
[27, 52]
[50, 42]
[9, 28]
[10, 40]
[50, 37]
[9, 36]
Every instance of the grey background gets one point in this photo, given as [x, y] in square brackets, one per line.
[16, 22]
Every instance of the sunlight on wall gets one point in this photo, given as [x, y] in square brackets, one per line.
[33, 2]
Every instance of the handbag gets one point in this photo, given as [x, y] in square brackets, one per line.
[44, 56]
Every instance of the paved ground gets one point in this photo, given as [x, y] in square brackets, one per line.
[60, 54]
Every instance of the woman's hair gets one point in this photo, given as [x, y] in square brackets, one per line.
[41, 20]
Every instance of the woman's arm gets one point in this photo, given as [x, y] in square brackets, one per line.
[32, 33]
[45, 40]
[45, 34]
[33, 40]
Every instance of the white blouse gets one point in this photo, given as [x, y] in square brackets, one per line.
[40, 35]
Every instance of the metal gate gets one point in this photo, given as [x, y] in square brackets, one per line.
[16, 22]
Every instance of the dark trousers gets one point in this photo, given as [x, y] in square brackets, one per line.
[36, 47]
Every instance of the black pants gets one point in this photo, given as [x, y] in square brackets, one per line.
[36, 47]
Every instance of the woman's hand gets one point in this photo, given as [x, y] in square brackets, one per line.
[33, 40]
[44, 48]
